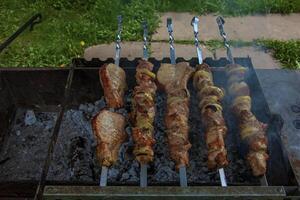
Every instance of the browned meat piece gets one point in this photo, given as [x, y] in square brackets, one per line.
[108, 127]
[257, 161]
[143, 112]
[212, 118]
[113, 81]
[235, 73]
[210, 90]
[174, 79]
[174, 76]
[251, 130]
[237, 89]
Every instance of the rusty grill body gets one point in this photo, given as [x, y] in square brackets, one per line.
[45, 158]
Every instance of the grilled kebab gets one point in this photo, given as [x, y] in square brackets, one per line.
[252, 131]
[108, 126]
[143, 112]
[174, 79]
[210, 98]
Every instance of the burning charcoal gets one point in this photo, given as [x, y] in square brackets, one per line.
[126, 170]
[132, 172]
[80, 158]
[18, 132]
[125, 177]
[90, 108]
[83, 107]
[113, 173]
[30, 118]
[49, 125]
[100, 104]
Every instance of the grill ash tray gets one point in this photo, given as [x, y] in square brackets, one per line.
[74, 160]
[29, 106]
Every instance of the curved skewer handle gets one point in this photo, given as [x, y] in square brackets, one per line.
[118, 41]
[171, 41]
[145, 39]
[195, 24]
[221, 22]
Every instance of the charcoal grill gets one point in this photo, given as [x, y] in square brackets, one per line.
[57, 90]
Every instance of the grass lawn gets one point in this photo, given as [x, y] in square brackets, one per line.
[287, 52]
[69, 26]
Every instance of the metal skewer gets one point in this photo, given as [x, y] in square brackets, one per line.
[143, 175]
[118, 41]
[104, 169]
[143, 170]
[145, 39]
[221, 22]
[182, 169]
[195, 24]
[103, 177]
[171, 41]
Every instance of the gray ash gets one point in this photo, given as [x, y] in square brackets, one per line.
[25, 147]
[74, 158]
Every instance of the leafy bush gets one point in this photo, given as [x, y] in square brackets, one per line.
[229, 7]
[65, 4]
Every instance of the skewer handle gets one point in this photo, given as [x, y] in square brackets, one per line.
[195, 24]
[222, 177]
[264, 181]
[143, 175]
[118, 41]
[182, 176]
[145, 39]
[103, 177]
[171, 41]
[221, 22]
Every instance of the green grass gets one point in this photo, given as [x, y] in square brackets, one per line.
[230, 7]
[68, 24]
[59, 37]
[287, 52]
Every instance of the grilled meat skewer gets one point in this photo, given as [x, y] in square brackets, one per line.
[113, 81]
[251, 130]
[143, 112]
[108, 126]
[174, 79]
[211, 111]
[109, 130]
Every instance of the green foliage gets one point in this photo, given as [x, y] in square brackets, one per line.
[68, 24]
[57, 39]
[229, 7]
[287, 52]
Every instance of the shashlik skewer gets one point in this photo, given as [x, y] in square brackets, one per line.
[211, 111]
[173, 77]
[252, 131]
[108, 126]
[212, 118]
[144, 111]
